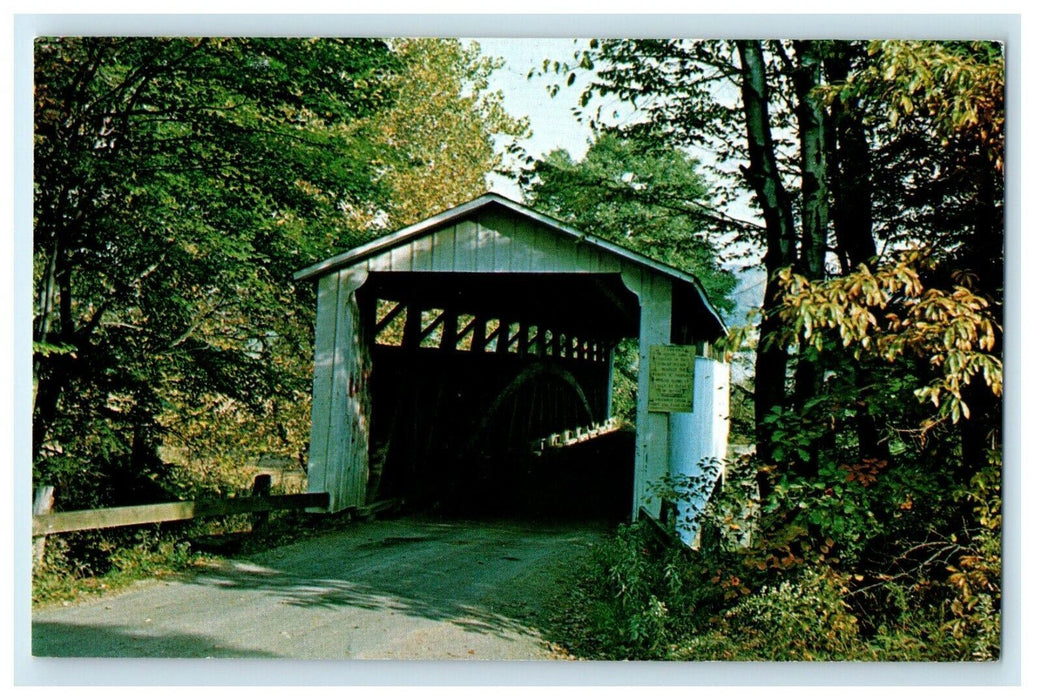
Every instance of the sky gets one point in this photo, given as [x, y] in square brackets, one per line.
[552, 123]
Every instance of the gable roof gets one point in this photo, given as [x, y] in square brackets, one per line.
[488, 200]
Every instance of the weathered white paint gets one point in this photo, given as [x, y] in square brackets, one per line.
[497, 243]
[478, 207]
[322, 381]
[465, 257]
[443, 244]
[380, 262]
[339, 452]
[698, 442]
[651, 458]
[422, 255]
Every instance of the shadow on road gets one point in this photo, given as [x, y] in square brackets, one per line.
[94, 641]
[483, 579]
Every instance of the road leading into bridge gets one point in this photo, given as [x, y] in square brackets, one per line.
[407, 588]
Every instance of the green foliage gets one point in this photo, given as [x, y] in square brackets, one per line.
[957, 86]
[627, 598]
[640, 194]
[808, 612]
[624, 380]
[66, 575]
[179, 183]
[869, 523]
[887, 314]
[439, 134]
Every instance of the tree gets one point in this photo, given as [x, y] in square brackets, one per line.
[644, 196]
[178, 184]
[439, 134]
[896, 156]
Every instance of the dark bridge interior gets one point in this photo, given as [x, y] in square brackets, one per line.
[471, 372]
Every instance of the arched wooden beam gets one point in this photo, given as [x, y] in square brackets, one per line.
[536, 370]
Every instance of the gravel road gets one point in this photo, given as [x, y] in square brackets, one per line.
[407, 588]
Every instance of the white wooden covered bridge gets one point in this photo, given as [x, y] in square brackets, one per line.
[490, 326]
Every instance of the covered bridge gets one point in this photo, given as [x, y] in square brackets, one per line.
[492, 323]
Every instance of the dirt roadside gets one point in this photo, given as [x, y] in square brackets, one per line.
[407, 588]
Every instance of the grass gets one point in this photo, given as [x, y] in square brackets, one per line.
[120, 558]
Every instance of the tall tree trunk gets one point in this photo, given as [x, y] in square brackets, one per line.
[851, 211]
[53, 376]
[983, 256]
[810, 117]
[850, 167]
[53, 373]
[780, 230]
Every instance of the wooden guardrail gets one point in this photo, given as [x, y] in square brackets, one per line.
[75, 520]
[47, 523]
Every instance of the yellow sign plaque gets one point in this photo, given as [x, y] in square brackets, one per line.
[671, 371]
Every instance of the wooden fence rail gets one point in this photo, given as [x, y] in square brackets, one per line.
[74, 520]
[47, 523]
[260, 503]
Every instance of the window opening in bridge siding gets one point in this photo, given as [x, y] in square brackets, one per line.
[433, 338]
[391, 316]
[514, 332]
[464, 341]
[491, 332]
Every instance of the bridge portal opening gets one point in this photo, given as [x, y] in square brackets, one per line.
[492, 393]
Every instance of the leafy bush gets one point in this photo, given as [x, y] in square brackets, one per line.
[79, 564]
[804, 618]
[798, 576]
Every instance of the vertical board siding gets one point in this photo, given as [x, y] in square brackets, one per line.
[540, 257]
[582, 256]
[521, 252]
[651, 458]
[485, 247]
[564, 254]
[443, 245]
[322, 384]
[465, 252]
[337, 441]
[603, 262]
[659, 333]
[358, 406]
[380, 262]
[596, 261]
[501, 231]
[338, 456]
[422, 254]
[401, 258]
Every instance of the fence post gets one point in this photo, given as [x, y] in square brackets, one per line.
[261, 487]
[42, 504]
